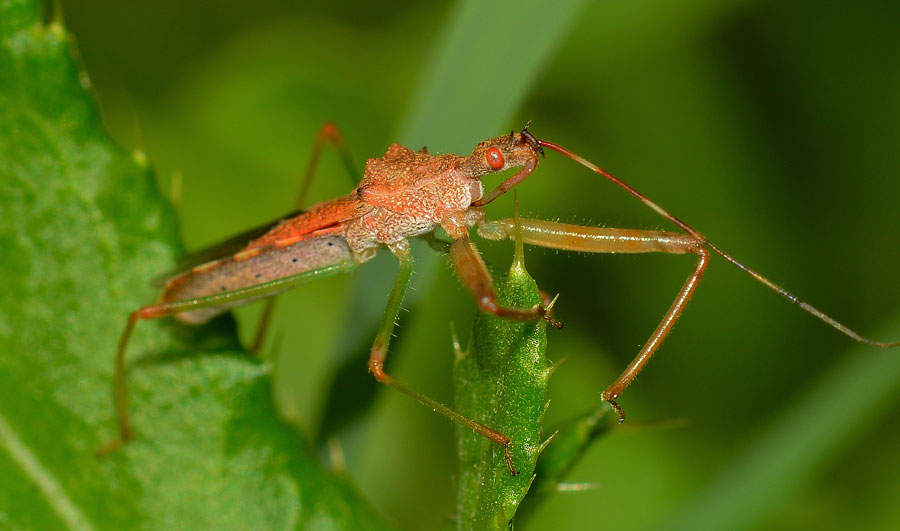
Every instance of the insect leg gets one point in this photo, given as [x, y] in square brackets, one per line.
[475, 276]
[328, 133]
[154, 311]
[380, 349]
[610, 240]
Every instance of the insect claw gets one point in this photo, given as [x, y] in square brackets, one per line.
[112, 446]
[509, 461]
[617, 408]
[556, 324]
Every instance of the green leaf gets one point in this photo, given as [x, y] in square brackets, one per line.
[567, 446]
[501, 383]
[82, 231]
[564, 450]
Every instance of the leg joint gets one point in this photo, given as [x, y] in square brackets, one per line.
[700, 250]
[376, 368]
[489, 305]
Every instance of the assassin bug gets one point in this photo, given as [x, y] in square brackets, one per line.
[413, 193]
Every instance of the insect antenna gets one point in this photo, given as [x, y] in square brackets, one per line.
[834, 323]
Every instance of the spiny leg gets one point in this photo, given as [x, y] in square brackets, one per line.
[154, 311]
[477, 279]
[610, 240]
[329, 133]
[380, 349]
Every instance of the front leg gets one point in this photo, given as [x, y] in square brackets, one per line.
[475, 275]
[476, 278]
[569, 237]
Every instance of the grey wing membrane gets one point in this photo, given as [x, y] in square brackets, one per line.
[219, 250]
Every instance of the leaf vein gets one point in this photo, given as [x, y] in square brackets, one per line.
[64, 507]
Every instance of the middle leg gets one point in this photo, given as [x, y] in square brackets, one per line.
[380, 349]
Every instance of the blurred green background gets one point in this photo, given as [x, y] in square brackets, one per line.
[772, 127]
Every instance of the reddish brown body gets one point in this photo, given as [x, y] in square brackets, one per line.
[402, 195]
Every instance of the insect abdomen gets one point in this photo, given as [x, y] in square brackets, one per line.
[250, 269]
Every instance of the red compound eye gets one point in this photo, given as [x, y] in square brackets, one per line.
[494, 158]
